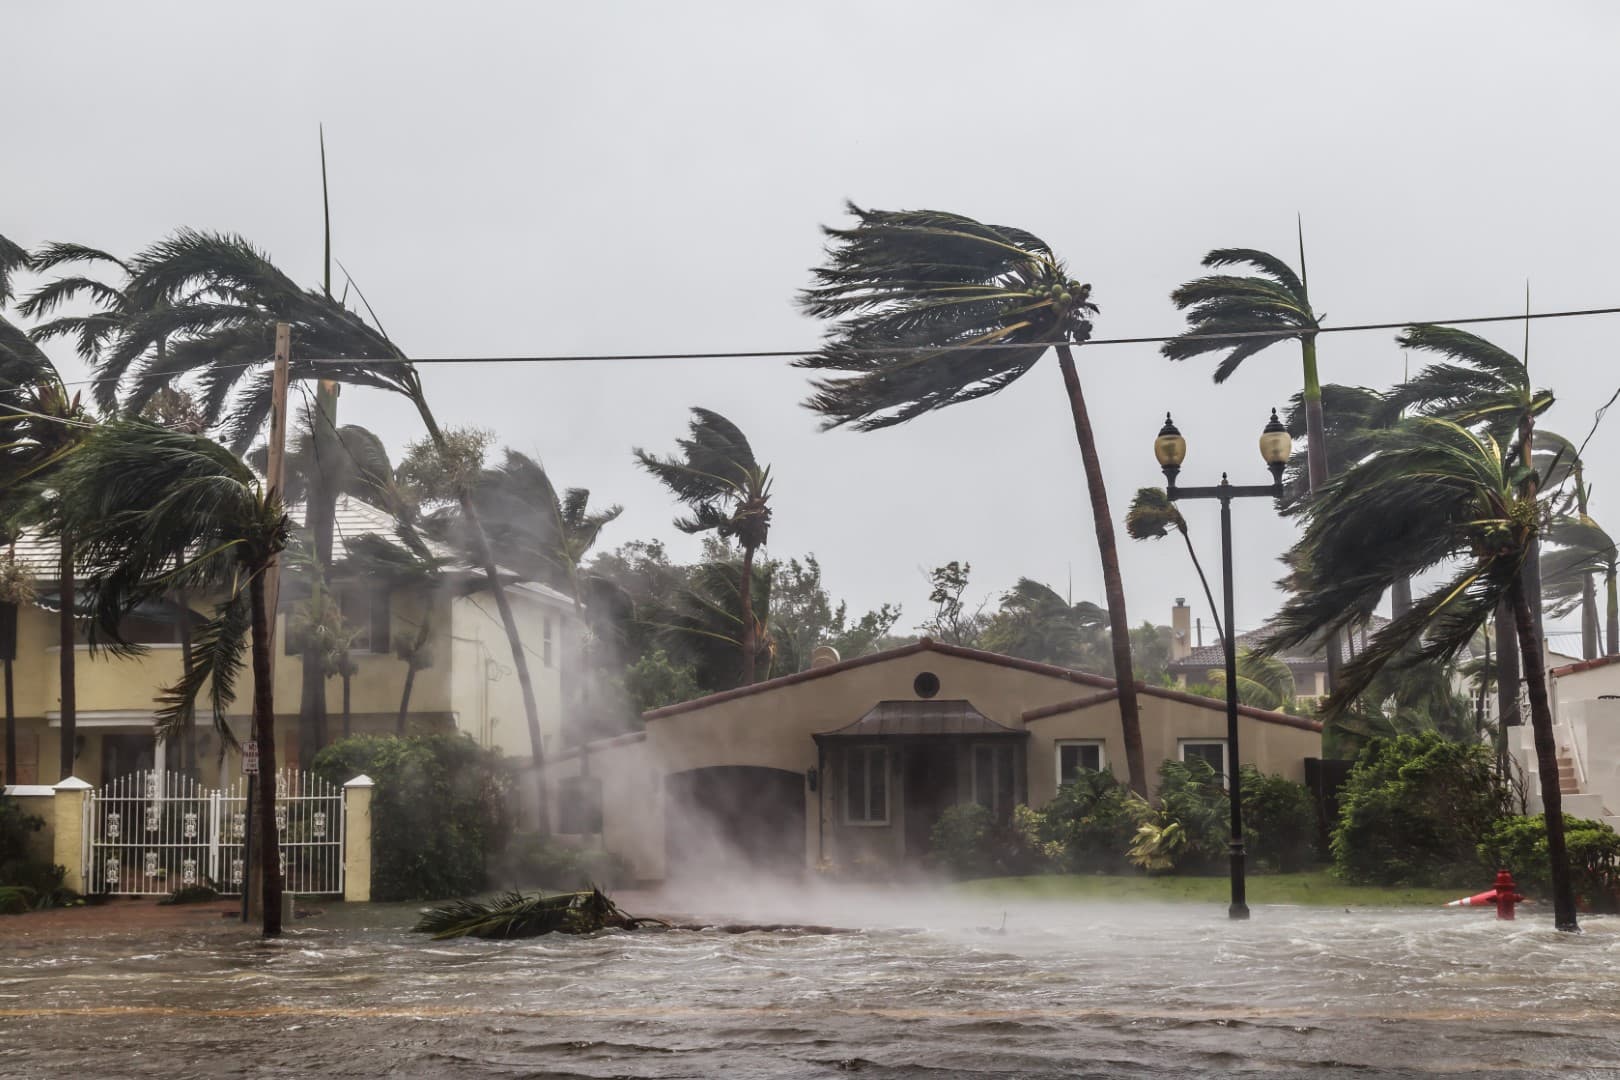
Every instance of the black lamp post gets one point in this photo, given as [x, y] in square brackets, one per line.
[1275, 446]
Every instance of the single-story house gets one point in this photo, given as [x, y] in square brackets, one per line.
[853, 761]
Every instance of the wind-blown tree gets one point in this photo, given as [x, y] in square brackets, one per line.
[41, 425]
[1480, 385]
[1035, 623]
[1273, 305]
[213, 301]
[705, 621]
[1263, 681]
[323, 463]
[931, 309]
[728, 493]
[1434, 495]
[1152, 516]
[1582, 551]
[135, 494]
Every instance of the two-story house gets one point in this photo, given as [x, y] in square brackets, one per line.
[469, 686]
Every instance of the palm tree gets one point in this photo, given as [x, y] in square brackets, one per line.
[1151, 517]
[214, 301]
[1481, 385]
[728, 492]
[1035, 623]
[1263, 681]
[706, 623]
[1273, 305]
[1583, 551]
[931, 309]
[1434, 495]
[135, 494]
[41, 425]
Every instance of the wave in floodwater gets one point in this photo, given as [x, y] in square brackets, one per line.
[918, 988]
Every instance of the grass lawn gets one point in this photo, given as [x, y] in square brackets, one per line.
[1317, 888]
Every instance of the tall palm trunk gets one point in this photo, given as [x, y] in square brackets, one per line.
[1552, 799]
[1507, 669]
[1613, 589]
[746, 598]
[1119, 627]
[188, 752]
[1589, 618]
[68, 639]
[1316, 465]
[1214, 608]
[423, 632]
[520, 659]
[264, 733]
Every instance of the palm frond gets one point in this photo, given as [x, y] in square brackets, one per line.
[514, 915]
[217, 647]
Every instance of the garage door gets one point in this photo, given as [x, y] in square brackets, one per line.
[734, 818]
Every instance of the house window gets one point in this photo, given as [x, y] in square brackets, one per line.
[1073, 755]
[545, 641]
[866, 786]
[369, 615]
[1210, 750]
[993, 781]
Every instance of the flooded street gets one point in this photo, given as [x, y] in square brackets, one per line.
[1072, 990]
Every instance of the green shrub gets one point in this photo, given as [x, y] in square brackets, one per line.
[1520, 844]
[1279, 821]
[960, 842]
[1187, 831]
[531, 861]
[27, 880]
[1092, 822]
[1414, 811]
[439, 811]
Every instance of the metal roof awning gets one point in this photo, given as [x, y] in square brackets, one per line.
[923, 719]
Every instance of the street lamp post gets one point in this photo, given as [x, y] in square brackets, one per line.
[1275, 446]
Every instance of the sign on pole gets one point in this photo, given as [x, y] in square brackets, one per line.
[250, 758]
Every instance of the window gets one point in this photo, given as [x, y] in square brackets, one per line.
[1074, 755]
[866, 786]
[545, 641]
[993, 777]
[1210, 750]
[926, 685]
[367, 612]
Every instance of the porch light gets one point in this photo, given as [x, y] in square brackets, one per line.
[1275, 445]
[1170, 448]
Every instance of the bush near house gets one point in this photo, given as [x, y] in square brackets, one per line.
[439, 811]
[26, 881]
[1279, 822]
[1520, 844]
[969, 842]
[1187, 831]
[1092, 820]
[1415, 810]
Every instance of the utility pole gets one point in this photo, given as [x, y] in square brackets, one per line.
[275, 475]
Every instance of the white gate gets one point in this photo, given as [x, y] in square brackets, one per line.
[149, 833]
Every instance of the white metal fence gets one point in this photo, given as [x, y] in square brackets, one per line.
[149, 833]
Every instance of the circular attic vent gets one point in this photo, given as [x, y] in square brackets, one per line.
[926, 684]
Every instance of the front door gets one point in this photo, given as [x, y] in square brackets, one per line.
[124, 754]
[930, 789]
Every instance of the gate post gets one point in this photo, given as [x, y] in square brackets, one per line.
[357, 839]
[71, 839]
[213, 839]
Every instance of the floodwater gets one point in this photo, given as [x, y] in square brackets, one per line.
[924, 989]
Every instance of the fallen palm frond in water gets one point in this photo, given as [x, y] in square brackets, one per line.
[515, 915]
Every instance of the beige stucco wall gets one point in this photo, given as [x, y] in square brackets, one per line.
[774, 728]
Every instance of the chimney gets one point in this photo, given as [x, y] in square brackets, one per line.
[1180, 629]
[823, 656]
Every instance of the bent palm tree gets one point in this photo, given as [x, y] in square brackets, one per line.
[931, 309]
[718, 478]
[1035, 623]
[136, 494]
[1151, 517]
[1263, 681]
[1434, 495]
[705, 620]
[1583, 551]
[215, 300]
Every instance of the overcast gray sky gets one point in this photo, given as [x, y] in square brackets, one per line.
[553, 178]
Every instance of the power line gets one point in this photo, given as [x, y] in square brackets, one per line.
[769, 354]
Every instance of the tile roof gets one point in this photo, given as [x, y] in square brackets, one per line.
[1212, 656]
[928, 717]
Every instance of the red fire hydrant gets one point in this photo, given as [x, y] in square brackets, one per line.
[1507, 894]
